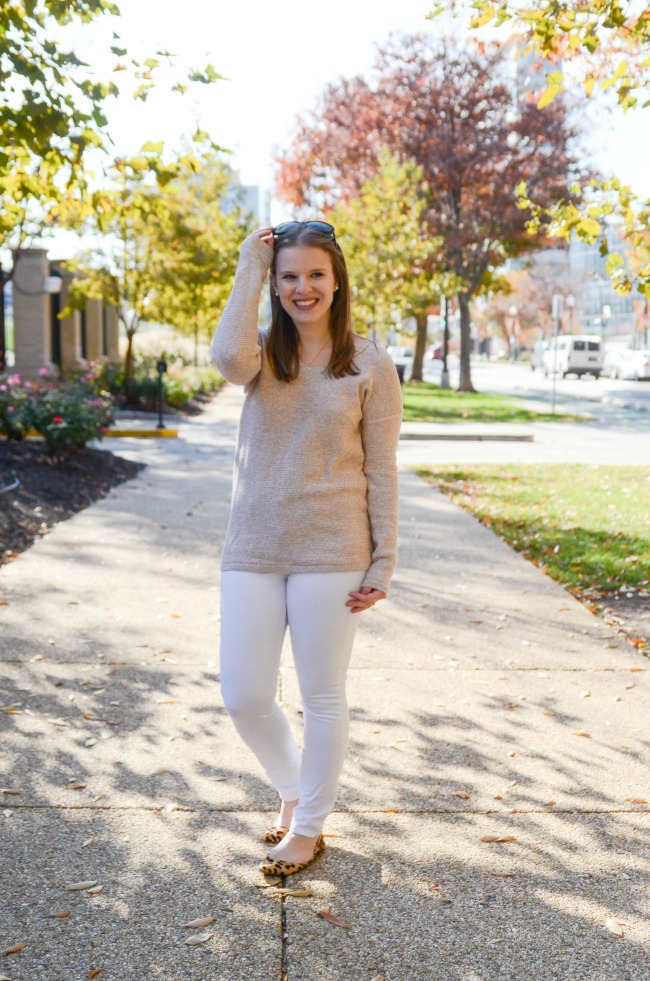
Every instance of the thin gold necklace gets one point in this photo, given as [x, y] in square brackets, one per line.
[317, 356]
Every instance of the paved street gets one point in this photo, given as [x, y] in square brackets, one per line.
[493, 823]
[517, 379]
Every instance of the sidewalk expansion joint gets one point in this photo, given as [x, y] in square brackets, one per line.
[369, 667]
[406, 812]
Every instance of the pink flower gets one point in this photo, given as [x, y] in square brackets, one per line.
[57, 420]
[13, 380]
[3, 388]
[11, 408]
[42, 372]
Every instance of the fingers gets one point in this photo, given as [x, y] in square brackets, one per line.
[365, 599]
[266, 234]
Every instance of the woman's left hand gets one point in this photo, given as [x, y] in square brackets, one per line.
[365, 599]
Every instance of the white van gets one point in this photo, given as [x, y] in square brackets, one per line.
[574, 354]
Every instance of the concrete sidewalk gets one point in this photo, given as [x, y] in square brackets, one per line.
[486, 703]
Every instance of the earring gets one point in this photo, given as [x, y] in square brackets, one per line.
[336, 287]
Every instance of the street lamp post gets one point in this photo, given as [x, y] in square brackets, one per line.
[606, 313]
[161, 368]
[570, 301]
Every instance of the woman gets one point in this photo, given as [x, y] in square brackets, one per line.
[311, 539]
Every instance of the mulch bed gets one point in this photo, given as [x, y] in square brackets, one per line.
[40, 487]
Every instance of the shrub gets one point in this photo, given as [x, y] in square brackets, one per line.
[181, 382]
[14, 402]
[71, 415]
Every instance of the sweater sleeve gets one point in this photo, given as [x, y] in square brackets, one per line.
[382, 418]
[235, 348]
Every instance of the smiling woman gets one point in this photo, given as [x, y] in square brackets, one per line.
[312, 532]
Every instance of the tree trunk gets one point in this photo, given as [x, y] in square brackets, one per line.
[465, 380]
[420, 347]
[196, 344]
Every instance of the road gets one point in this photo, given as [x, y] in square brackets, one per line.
[506, 378]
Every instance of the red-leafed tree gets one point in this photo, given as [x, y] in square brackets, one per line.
[454, 111]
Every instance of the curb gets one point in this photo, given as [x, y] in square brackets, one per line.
[141, 433]
[475, 437]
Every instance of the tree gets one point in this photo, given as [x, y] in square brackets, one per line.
[602, 44]
[605, 40]
[391, 258]
[451, 111]
[121, 270]
[196, 245]
[52, 111]
[167, 249]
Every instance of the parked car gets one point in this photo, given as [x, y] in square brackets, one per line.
[611, 360]
[574, 354]
[634, 364]
[402, 359]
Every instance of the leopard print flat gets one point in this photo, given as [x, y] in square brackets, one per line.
[275, 834]
[280, 867]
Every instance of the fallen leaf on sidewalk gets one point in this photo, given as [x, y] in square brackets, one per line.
[502, 875]
[497, 839]
[460, 793]
[581, 732]
[59, 916]
[89, 841]
[166, 701]
[10, 710]
[634, 670]
[327, 915]
[14, 950]
[636, 800]
[198, 938]
[585, 694]
[269, 884]
[95, 971]
[197, 924]
[95, 890]
[75, 785]
[10, 790]
[81, 886]
[614, 927]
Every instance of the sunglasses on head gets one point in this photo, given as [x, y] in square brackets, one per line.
[287, 227]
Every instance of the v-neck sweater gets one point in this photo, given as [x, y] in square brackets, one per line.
[315, 477]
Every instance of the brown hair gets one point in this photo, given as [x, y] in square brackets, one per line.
[282, 344]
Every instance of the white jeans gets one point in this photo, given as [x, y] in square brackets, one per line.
[255, 611]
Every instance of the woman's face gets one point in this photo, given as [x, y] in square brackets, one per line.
[304, 279]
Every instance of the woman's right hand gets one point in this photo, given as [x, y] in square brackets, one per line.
[266, 234]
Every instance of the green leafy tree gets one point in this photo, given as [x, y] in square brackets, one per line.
[392, 259]
[196, 245]
[53, 110]
[121, 270]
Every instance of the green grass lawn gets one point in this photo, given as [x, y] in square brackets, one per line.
[424, 402]
[586, 526]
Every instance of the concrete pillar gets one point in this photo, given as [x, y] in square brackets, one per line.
[71, 359]
[111, 333]
[32, 338]
[94, 330]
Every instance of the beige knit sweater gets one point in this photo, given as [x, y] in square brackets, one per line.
[315, 484]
